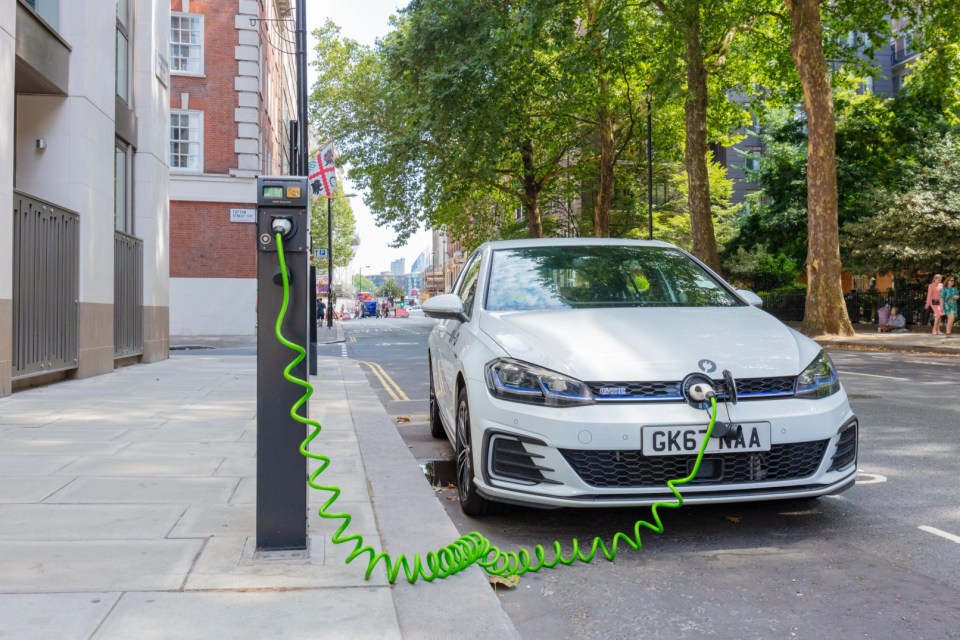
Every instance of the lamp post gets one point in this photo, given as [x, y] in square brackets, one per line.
[366, 266]
[330, 256]
[650, 162]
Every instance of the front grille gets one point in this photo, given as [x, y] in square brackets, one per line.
[630, 469]
[747, 389]
[750, 387]
[846, 452]
[509, 459]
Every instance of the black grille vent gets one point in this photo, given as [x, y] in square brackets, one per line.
[509, 459]
[629, 469]
[846, 452]
[747, 389]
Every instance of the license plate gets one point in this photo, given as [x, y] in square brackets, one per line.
[672, 441]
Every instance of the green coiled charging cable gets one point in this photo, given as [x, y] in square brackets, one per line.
[471, 548]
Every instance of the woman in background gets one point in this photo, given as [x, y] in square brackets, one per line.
[948, 302]
[933, 301]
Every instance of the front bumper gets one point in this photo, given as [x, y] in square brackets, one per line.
[592, 455]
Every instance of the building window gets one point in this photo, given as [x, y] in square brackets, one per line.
[49, 10]
[121, 191]
[123, 51]
[186, 43]
[186, 141]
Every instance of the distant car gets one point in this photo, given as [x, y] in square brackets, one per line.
[562, 372]
[368, 309]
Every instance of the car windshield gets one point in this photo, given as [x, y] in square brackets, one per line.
[590, 276]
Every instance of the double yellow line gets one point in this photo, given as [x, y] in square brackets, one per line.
[392, 387]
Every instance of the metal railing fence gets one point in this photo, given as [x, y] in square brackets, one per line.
[127, 295]
[862, 306]
[46, 284]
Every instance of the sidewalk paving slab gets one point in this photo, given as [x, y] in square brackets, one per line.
[127, 510]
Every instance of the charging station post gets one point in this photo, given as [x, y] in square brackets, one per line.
[282, 204]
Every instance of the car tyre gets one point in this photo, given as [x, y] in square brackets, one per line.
[471, 502]
[436, 422]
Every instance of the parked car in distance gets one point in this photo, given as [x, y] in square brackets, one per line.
[561, 371]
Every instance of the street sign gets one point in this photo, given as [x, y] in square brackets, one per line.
[319, 253]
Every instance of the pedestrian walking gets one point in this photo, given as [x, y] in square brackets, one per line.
[933, 302]
[948, 300]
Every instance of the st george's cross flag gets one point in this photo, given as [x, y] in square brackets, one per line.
[322, 173]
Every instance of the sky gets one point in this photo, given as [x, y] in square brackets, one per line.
[365, 21]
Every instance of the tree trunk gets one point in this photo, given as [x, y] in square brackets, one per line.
[695, 158]
[608, 160]
[826, 311]
[531, 191]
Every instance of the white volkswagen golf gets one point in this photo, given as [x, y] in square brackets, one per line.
[561, 372]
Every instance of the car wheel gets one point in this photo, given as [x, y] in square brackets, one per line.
[471, 502]
[436, 423]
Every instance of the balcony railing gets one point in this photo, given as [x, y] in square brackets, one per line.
[127, 295]
[46, 282]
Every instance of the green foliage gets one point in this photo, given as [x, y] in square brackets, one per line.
[390, 289]
[760, 270]
[916, 229]
[344, 229]
[362, 283]
[879, 144]
[671, 218]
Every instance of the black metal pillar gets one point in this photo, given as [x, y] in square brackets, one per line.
[281, 470]
[650, 163]
[330, 262]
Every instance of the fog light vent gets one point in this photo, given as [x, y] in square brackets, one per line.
[509, 459]
[846, 453]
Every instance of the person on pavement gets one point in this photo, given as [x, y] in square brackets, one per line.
[896, 322]
[948, 300]
[933, 302]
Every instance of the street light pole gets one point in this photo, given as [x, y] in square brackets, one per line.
[329, 263]
[649, 163]
[330, 256]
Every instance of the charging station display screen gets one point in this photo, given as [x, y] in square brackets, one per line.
[273, 192]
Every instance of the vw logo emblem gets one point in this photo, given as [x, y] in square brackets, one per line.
[707, 366]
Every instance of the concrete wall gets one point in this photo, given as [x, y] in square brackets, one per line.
[8, 27]
[213, 306]
[151, 173]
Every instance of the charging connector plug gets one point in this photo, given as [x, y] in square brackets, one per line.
[283, 226]
[701, 392]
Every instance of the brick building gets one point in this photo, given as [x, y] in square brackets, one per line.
[233, 95]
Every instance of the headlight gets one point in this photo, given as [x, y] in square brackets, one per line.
[522, 382]
[818, 380]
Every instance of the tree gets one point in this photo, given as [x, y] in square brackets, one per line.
[825, 310]
[361, 283]
[390, 289]
[916, 229]
[344, 229]
[707, 30]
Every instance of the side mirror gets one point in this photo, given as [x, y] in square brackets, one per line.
[751, 298]
[449, 306]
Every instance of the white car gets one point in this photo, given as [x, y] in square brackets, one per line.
[561, 371]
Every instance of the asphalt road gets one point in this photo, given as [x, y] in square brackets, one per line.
[879, 561]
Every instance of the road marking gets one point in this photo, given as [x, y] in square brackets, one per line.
[392, 387]
[931, 363]
[938, 532]
[343, 350]
[872, 375]
[870, 478]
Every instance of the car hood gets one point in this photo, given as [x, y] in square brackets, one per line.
[651, 344]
